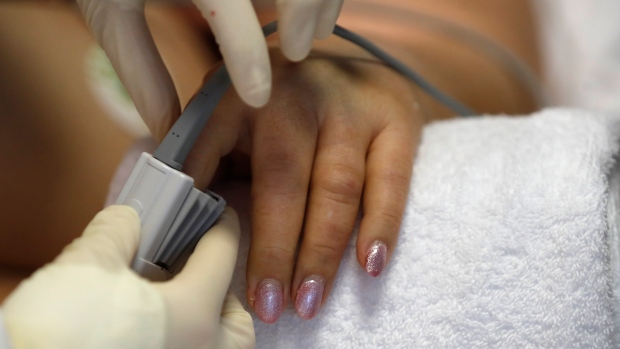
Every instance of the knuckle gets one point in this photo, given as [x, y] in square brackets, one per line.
[342, 184]
[281, 159]
[281, 174]
[277, 187]
[397, 177]
[390, 218]
[326, 254]
[329, 246]
[398, 182]
[279, 255]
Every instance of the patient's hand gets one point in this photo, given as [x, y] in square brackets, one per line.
[336, 133]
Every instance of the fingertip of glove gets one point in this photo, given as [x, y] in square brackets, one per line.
[296, 51]
[256, 95]
[112, 218]
[230, 219]
[230, 213]
[121, 211]
[249, 71]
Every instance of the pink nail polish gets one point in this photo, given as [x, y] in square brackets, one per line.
[268, 302]
[309, 296]
[376, 257]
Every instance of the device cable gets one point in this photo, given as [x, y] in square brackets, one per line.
[181, 138]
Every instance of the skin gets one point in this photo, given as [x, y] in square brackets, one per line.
[316, 153]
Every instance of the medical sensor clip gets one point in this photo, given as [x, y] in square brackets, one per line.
[173, 214]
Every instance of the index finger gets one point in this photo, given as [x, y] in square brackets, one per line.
[109, 241]
[243, 46]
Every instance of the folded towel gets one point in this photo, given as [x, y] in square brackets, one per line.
[504, 244]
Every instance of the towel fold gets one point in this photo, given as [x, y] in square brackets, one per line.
[504, 244]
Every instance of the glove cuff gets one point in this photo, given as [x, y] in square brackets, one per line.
[5, 343]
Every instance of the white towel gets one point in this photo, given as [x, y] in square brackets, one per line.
[504, 244]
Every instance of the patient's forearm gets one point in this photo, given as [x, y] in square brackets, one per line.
[463, 71]
[457, 67]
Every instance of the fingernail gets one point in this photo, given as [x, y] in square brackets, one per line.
[376, 258]
[268, 303]
[309, 296]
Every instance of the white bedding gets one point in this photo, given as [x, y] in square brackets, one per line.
[580, 44]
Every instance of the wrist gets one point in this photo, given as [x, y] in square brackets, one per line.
[455, 63]
[470, 74]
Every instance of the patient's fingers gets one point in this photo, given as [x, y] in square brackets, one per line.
[388, 173]
[335, 192]
[284, 139]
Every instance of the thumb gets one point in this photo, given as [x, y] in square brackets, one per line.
[237, 331]
[208, 271]
[197, 294]
[110, 240]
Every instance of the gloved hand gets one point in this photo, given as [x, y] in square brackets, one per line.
[120, 28]
[89, 298]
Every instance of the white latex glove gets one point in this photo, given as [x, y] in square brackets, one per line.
[89, 298]
[120, 28]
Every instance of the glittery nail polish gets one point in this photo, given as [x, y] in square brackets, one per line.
[309, 296]
[268, 302]
[376, 258]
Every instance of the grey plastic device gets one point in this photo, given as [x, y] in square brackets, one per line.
[173, 214]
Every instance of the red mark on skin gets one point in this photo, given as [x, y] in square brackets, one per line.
[212, 13]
